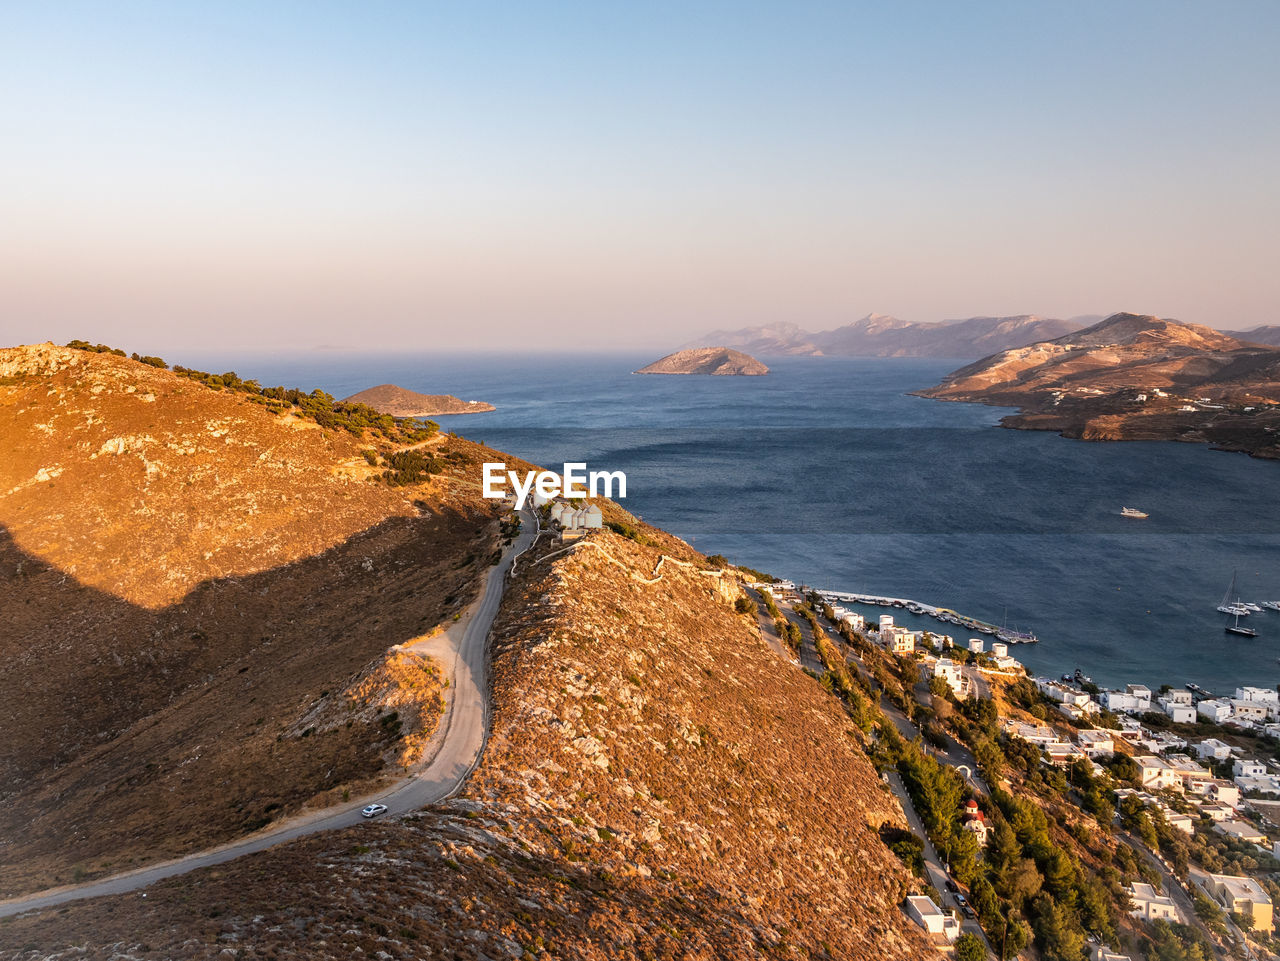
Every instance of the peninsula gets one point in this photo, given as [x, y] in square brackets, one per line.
[721, 361]
[399, 402]
[1134, 377]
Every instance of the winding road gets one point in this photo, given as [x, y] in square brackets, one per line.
[453, 753]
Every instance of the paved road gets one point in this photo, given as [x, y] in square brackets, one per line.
[769, 632]
[459, 742]
[938, 876]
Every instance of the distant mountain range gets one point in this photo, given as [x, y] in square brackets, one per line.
[880, 335]
[1135, 377]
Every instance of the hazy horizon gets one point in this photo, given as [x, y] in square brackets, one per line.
[587, 178]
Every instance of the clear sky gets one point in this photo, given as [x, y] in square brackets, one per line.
[607, 174]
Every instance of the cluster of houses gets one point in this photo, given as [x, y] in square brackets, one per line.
[1177, 765]
[574, 522]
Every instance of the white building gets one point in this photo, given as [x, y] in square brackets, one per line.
[1123, 701]
[976, 645]
[1150, 905]
[1214, 710]
[1178, 711]
[999, 649]
[855, 621]
[886, 622]
[1248, 767]
[939, 925]
[1261, 695]
[1241, 830]
[1176, 697]
[951, 672]
[1157, 773]
[1211, 747]
[1096, 743]
[1225, 792]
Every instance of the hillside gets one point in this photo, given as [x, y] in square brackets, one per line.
[657, 782]
[879, 335]
[399, 402]
[1269, 334]
[183, 573]
[719, 361]
[1134, 377]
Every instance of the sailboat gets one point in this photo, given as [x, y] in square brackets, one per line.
[1228, 606]
[1242, 631]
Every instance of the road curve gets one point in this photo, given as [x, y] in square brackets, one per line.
[463, 653]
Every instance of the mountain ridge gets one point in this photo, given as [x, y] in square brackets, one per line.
[882, 335]
[1134, 376]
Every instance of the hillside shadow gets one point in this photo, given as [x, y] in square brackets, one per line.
[132, 733]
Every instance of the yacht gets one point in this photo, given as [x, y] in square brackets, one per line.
[1242, 631]
[1132, 512]
[1271, 605]
[1252, 606]
[1228, 606]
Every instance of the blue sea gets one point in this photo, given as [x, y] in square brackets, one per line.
[826, 471]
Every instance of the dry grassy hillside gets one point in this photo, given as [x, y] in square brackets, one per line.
[657, 785]
[183, 576]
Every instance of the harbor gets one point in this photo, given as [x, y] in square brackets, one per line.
[944, 614]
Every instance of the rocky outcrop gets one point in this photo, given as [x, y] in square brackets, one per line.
[721, 361]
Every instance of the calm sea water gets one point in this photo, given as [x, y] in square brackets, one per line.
[827, 472]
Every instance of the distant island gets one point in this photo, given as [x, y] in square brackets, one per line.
[1134, 377]
[880, 335]
[398, 402]
[720, 361]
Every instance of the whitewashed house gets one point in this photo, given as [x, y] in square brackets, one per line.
[940, 926]
[1211, 747]
[1150, 905]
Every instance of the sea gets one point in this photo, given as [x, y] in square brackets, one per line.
[829, 472]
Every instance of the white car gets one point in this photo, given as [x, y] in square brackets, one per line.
[373, 810]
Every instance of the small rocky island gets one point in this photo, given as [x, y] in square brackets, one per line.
[398, 402]
[721, 361]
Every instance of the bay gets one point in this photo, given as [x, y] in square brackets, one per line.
[828, 472]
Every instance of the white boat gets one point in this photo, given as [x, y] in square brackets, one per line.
[1252, 606]
[1271, 605]
[1228, 606]
[1131, 512]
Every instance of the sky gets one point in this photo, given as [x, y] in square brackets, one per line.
[586, 176]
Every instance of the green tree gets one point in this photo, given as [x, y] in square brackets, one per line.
[969, 947]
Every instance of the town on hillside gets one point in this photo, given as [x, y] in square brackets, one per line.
[1048, 812]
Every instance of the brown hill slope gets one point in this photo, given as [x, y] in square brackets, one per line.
[722, 361]
[657, 784]
[182, 574]
[399, 402]
[1134, 377]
